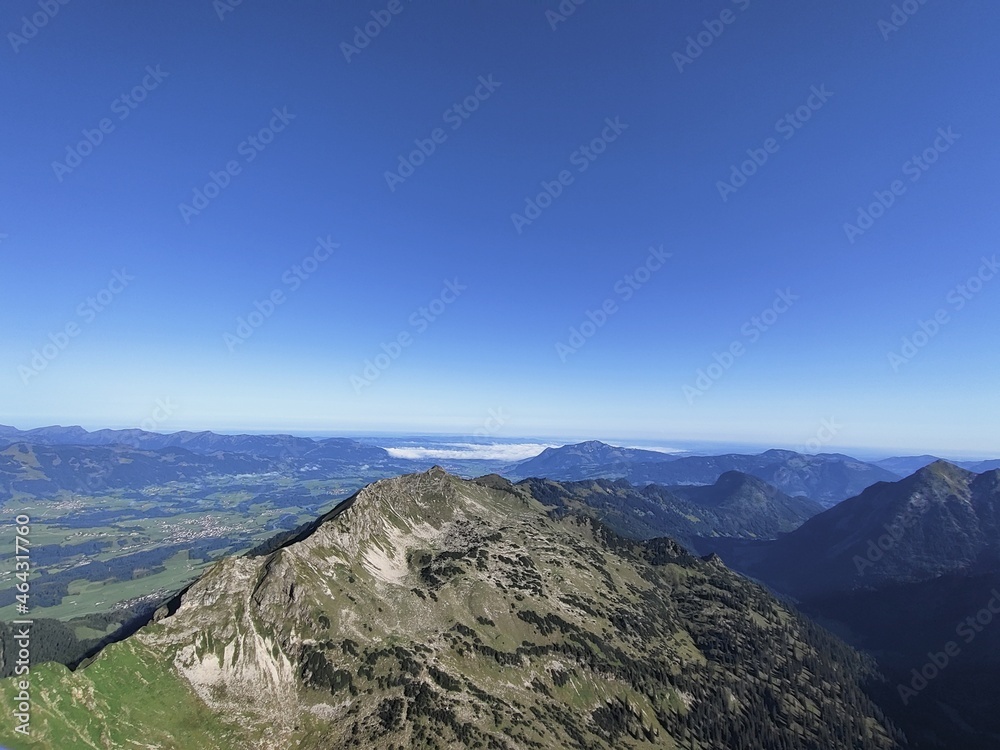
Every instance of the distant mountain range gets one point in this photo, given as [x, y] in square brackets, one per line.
[826, 478]
[39, 469]
[736, 505]
[586, 460]
[43, 470]
[204, 443]
[432, 612]
[906, 465]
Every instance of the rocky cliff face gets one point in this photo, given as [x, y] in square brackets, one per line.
[433, 612]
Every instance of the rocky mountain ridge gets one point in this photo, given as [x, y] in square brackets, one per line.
[434, 612]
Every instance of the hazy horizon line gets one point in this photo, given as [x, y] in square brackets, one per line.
[661, 444]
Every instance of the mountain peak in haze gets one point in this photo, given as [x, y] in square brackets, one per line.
[583, 460]
[940, 468]
[734, 479]
[736, 489]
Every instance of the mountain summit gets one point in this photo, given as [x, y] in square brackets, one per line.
[584, 460]
[432, 612]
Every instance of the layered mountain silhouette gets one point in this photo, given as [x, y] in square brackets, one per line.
[428, 611]
[586, 460]
[826, 478]
[133, 459]
[906, 465]
[264, 446]
[942, 519]
[43, 470]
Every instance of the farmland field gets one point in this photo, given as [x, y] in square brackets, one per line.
[94, 553]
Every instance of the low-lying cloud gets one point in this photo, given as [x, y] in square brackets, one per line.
[472, 452]
[656, 448]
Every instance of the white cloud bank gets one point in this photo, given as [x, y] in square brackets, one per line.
[472, 452]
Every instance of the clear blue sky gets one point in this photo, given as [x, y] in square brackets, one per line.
[321, 173]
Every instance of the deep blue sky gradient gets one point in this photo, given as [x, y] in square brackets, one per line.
[495, 346]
